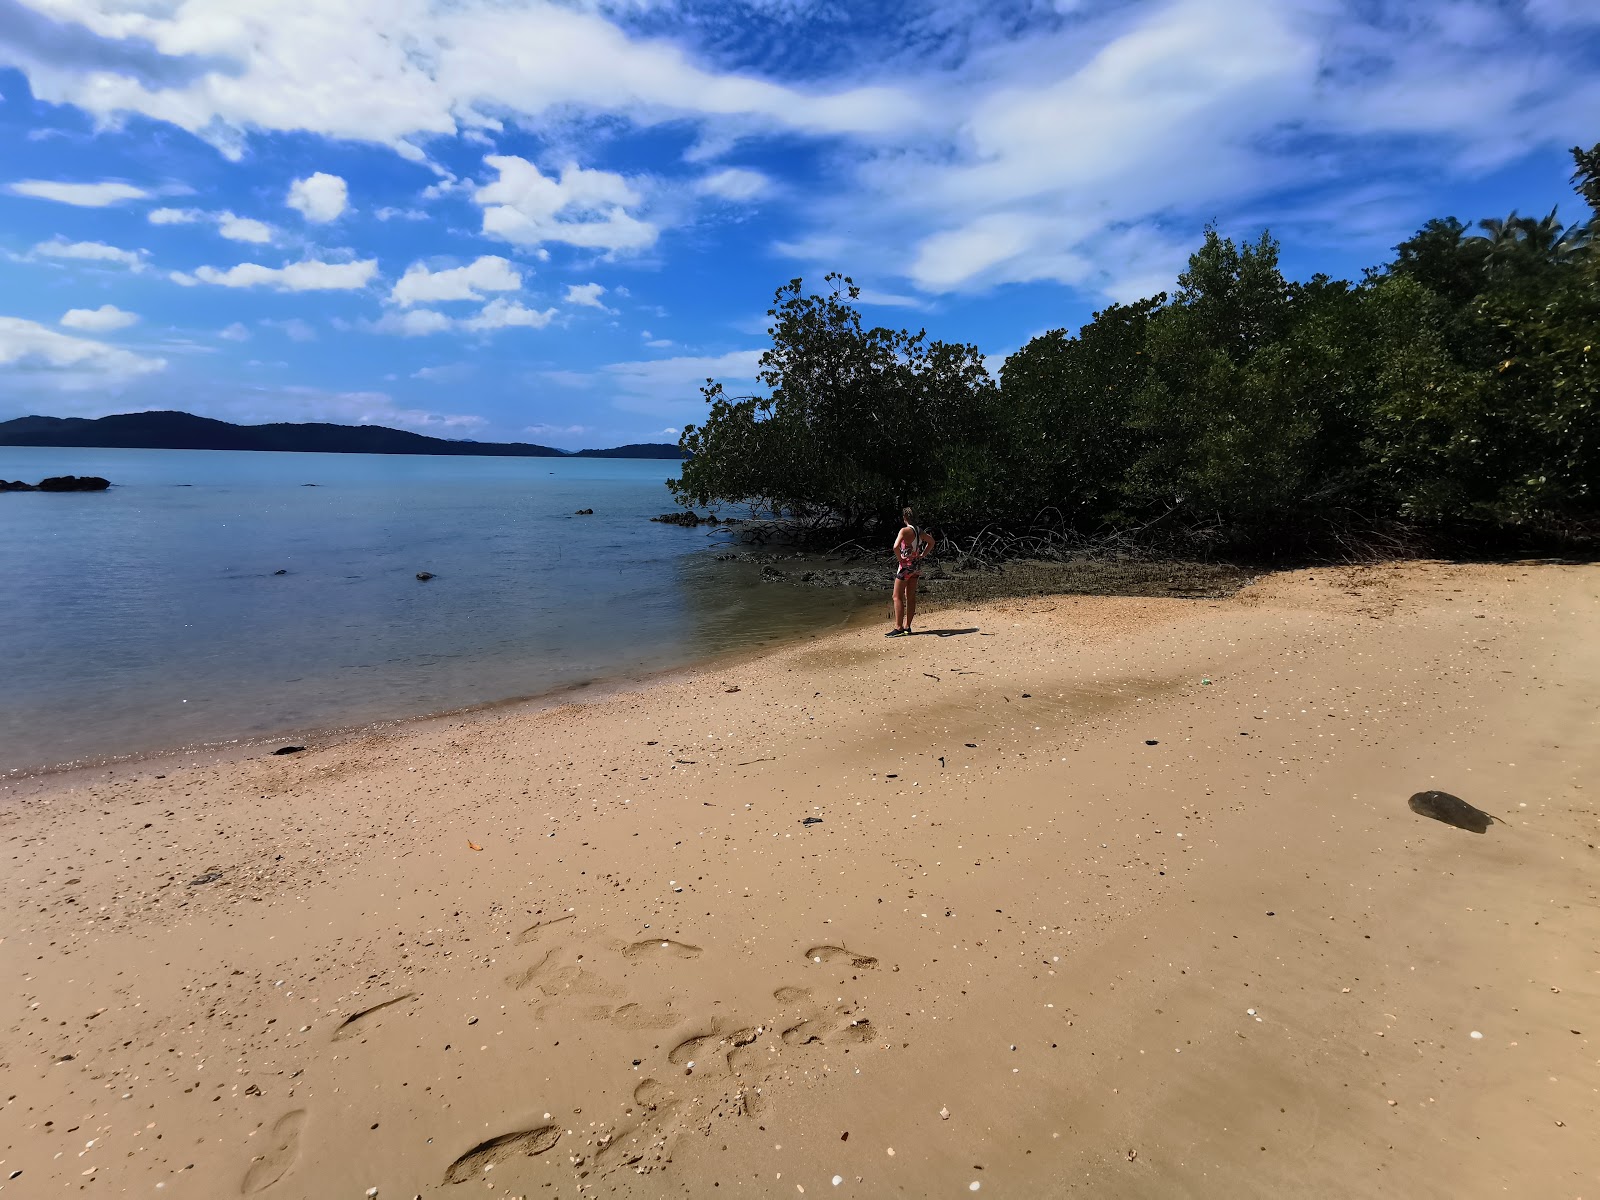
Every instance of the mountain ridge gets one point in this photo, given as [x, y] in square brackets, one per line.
[167, 429]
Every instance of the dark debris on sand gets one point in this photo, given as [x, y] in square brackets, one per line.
[1085, 577]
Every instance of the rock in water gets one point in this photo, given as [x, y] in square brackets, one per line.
[18, 486]
[1452, 810]
[74, 483]
[424, 575]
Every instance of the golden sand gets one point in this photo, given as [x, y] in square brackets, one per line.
[1097, 897]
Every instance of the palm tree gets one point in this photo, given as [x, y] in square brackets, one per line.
[1519, 243]
[1575, 239]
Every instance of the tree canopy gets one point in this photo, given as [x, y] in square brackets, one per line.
[1455, 388]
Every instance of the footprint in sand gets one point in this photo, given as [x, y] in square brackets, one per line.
[534, 932]
[554, 979]
[662, 946]
[353, 1025]
[838, 954]
[632, 1015]
[823, 1024]
[642, 1016]
[837, 1025]
[283, 1147]
[712, 1053]
[524, 1142]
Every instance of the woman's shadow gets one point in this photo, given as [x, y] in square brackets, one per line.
[944, 632]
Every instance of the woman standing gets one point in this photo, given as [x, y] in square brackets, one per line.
[911, 547]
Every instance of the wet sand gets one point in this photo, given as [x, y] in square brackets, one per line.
[1069, 920]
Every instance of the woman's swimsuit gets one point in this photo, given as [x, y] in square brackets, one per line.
[909, 552]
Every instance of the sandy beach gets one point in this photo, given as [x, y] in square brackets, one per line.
[1082, 896]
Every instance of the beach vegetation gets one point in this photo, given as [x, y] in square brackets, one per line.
[1451, 395]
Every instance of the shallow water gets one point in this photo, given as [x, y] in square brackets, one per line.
[150, 616]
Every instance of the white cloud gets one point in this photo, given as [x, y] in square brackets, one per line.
[734, 183]
[1564, 13]
[444, 373]
[400, 214]
[490, 273]
[91, 252]
[413, 322]
[581, 207]
[235, 333]
[506, 314]
[1006, 144]
[667, 386]
[83, 195]
[297, 403]
[243, 229]
[104, 319]
[587, 295]
[39, 354]
[499, 313]
[1060, 151]
[320, 197]
[295, 329]
[870, 297]
[235, 228]
[660, 343]
[411, 69]
[308, 276]
[556, 430]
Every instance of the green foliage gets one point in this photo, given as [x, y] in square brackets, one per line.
[857, 423]
[1455, 388]
[1066, 423]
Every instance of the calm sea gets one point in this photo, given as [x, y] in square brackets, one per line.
[152, 616]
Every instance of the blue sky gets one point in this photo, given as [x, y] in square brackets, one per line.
[521, 219]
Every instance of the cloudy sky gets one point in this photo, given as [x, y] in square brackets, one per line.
[549, 221]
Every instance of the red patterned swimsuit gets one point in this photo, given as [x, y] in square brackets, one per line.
[910, 554]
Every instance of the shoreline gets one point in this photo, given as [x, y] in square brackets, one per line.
[1091, 895]
[21, 781]
[1017, 581]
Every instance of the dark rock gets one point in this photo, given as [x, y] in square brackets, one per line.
[424, 575]
[812, 821]
[690, 520]
[208, 877]
[280, 571]
[18, 486]
[289, 750]
[584, 512]
[1452, 810]
[74, 483]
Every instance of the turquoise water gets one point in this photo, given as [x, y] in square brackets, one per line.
[150, 616]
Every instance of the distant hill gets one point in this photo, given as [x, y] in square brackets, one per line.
[637, 450]
[184, 431]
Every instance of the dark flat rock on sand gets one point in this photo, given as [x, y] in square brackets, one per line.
[1452, 810]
